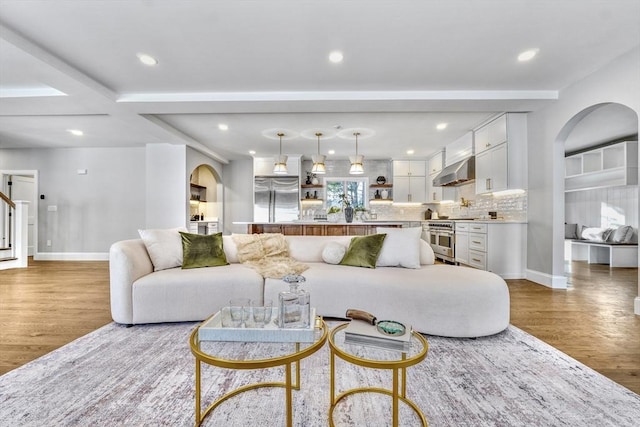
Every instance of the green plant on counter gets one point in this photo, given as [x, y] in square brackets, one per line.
[360, 208]
[333, 209]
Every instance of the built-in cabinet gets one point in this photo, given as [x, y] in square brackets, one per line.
[436, 163]
[497, 247]
[409, 181]
[612, 165]
[501, 154]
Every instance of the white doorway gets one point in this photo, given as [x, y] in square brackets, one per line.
[22, 185]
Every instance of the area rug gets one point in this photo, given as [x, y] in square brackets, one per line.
[144, 376]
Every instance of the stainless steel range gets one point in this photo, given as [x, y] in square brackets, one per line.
[441, 237]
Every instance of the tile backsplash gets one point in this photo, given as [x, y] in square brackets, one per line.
[511, 207]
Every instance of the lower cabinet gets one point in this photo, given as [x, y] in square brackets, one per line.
[317, 229]
[497, 247]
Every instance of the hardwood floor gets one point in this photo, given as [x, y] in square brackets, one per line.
[52, 303]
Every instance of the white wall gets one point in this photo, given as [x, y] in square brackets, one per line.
[167, 188]
[586, 207]
[617, 82]
[93, 210]
[238, 194]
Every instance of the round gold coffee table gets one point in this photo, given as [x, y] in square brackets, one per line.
[397, 361]
[216, 355]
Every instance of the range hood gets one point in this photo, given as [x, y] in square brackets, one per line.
[457, 173]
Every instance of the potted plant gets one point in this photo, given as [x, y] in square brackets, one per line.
[333, 214]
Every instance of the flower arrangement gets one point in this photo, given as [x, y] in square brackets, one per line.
[346, 200]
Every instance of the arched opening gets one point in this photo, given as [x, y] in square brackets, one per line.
[205, 200]
[593, 143]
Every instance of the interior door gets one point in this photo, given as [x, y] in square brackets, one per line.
[23, 188]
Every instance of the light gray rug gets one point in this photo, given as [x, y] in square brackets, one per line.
[144, 376]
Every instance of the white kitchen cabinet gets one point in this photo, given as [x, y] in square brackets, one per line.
[497, 247]
[492, 170]
[409, 189]
[409, 168]
[462, 243]
[491, 135]
[613, 165]
[436, 162]
[501, 157]
[459, 149]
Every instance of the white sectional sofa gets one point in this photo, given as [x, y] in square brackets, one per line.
[435, 299]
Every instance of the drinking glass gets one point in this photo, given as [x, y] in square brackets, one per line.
[225, 317]
[268, 310]
[239, 311]
[258, 311]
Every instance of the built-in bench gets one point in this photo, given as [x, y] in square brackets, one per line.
[614, 254]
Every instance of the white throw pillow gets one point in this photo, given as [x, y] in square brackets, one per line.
[400, 248]
[164, 247]
[333, 252]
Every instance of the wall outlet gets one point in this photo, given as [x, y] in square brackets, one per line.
[48, 242]
[52, 208]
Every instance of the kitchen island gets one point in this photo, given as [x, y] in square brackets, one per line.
[319, 228]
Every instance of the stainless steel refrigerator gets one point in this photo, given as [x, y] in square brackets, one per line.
[276, 199]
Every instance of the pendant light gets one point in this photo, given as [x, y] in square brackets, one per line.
[318, 160]
[280, 165]
[356, 161]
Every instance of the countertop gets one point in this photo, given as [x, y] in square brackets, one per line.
[482, 221]
[303, 222]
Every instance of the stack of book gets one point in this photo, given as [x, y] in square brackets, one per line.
[364, 333]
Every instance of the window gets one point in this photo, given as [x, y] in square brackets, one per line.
[354, 188]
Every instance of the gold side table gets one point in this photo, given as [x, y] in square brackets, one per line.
[289, 360]
[396, 361]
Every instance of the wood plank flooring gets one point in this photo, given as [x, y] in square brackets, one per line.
[51, 303]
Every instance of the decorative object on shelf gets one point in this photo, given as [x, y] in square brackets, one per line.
[308, 181]
[385, 194]
[315, 194]
[356, 161]
[280, 165]
[318, 159]
[381, 180]
[377, 194]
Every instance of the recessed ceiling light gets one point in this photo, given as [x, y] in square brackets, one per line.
[527, 55]
[410, 152]
[442, 126]
[147, 59]
[223, 126]
[75, 132]
[331, 151]
[336, 56]
[252, 152]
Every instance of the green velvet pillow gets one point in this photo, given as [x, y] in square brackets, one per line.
[200, 250]
[363, 251]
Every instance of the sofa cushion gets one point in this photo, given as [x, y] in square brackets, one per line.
[200, 250]
[401, 247]
[570, 231]
[254, 247]
[363, 251]
[622, 234]
[333, 252]
[164, 247]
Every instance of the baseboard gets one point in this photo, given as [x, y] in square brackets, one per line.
[71, 256]
[548, 280]
[636, 305]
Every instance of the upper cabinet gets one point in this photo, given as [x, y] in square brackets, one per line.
[263, 166]
[459, 149]
[491, 135]
[609, 166]
[409, 168]
[501, 154]
[435, 162]
[409, 181]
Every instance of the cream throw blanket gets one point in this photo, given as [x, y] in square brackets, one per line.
[268, 254]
